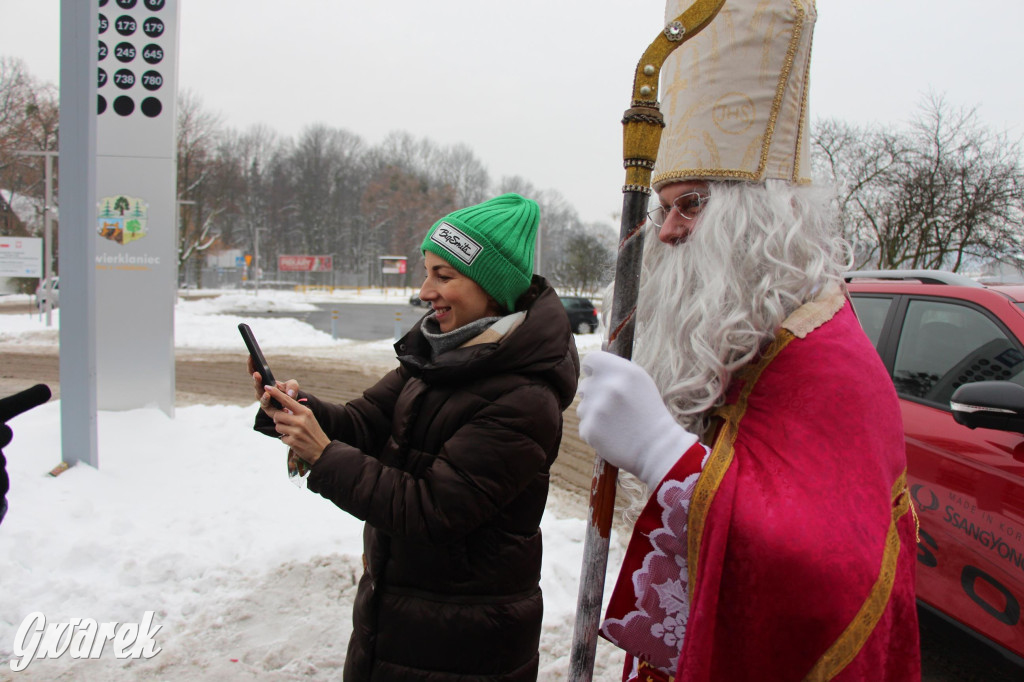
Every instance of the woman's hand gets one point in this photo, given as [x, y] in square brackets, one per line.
[298, 427]
[291, 387]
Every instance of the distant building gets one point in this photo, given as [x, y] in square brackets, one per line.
[10, 222]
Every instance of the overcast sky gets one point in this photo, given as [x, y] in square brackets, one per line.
[537, 88]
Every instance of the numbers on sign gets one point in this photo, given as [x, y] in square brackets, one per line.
[153, 27]
[103, 51]
[102, 79]
[125, 25]
[155, 5]
[153, 54]
[124, 79]
[104, 24]
[125, 52]
[152, 80]
[126, 4]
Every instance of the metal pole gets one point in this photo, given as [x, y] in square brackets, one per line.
[642, 125]
[48, 232]
[47, 224]
[537, 266]
[79, 24]
[256, 259]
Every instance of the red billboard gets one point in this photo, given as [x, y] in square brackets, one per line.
[304, 263]
[392, 265]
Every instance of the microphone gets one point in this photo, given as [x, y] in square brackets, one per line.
[14, 405]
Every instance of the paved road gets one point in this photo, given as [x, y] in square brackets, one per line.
[359, 321]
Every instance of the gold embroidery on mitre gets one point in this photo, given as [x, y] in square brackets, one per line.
[734, 83]
[733, 113]
[780, 90]
[722, 454]
[801, 148]
[852, 639]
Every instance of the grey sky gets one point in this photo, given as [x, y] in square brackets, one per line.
[537, 87]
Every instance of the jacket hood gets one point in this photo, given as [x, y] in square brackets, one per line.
[542, 345]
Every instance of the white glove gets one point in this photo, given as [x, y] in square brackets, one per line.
[623, 418]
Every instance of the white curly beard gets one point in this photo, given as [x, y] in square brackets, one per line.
[707, 306]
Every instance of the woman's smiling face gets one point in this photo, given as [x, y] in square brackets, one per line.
[456, 299]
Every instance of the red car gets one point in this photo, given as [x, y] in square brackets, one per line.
[955, 351]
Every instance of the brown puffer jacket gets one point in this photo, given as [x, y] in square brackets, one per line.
[448, 463]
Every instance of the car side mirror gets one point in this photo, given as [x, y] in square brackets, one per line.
[989, 405]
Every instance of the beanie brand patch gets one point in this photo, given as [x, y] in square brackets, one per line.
[456, 242]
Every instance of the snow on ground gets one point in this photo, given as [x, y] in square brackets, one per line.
[211, 323]
[195, 519]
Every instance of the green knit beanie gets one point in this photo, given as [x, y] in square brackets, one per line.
[491, 243]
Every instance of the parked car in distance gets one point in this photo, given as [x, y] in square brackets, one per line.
[48, 290]
[582, 314]
[417, 301]
[955, 351]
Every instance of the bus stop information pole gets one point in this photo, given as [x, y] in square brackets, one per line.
[135, 232]
[78, 26]
[642, 126]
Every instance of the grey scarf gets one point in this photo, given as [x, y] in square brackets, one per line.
[442, 342]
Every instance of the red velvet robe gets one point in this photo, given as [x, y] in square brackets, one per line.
[796, 553]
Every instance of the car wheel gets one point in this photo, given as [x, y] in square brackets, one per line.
[583, 328]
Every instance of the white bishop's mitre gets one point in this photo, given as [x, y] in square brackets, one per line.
[734, 97]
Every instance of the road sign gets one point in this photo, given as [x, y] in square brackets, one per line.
[21, 257]
[392, 265]
[305, 263]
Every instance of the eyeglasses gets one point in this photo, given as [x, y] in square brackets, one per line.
[687, 205]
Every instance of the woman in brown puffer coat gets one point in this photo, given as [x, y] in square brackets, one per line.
[447, 459]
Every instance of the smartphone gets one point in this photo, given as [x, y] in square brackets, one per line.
[258, 361]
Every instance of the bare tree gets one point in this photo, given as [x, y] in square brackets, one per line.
[198, 132]
[944, 192]
[399, 206]
[458, 168]
[586, 265]
[28, 122]
[241, 181]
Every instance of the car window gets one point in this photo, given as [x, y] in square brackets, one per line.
[575, 303]
[872, 311]
[944, 345]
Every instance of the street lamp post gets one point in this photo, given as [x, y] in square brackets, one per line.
[256, 258]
